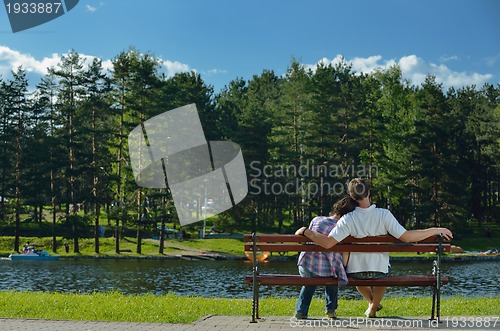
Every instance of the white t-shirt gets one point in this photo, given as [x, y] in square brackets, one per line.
[364, 222]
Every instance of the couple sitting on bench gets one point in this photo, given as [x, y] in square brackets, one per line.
[353, 216]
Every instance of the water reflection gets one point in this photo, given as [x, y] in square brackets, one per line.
[213, 278]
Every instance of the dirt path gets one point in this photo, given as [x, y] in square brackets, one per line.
[177, 248]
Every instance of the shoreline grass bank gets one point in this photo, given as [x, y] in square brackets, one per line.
[171, 308]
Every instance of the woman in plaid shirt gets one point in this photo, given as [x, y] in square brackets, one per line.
[321, 264]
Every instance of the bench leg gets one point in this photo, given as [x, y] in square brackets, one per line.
[254, 303]
[257, 304]
[433, 302]
[438, 278]
[438, 303]
[255, 284]
[253, 311]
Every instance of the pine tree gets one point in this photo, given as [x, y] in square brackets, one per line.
[97, 87]
[51, 120]
[288, 144]
[70, 76]
[431, 157]
[17, 104]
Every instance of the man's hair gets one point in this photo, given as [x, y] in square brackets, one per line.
[358, 189]
[344, 206]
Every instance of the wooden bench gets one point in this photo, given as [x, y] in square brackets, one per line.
[256, 243]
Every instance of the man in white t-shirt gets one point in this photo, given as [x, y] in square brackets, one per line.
[368, 220]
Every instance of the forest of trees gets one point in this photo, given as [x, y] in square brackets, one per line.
[431, 155]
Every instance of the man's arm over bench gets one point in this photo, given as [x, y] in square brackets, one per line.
[419, 235]
[409, 236]
[318, 238]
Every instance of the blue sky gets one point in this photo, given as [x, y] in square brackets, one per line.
[456, 40]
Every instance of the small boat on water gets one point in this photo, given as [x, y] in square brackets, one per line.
[33, 255]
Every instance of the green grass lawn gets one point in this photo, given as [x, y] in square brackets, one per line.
[170, 308]
[228, 246]
[478, 244]
[148, 247]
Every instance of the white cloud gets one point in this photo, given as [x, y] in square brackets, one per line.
[366, 65]
[90, 8]
[175, 67]
[409, 63]
[215, 72]
[107, 65]
[415, 69]
[492, 60]
[325, 61]
[449, 78]
[11, 59]
[445, 58]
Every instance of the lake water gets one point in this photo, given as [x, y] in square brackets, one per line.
[215, 278]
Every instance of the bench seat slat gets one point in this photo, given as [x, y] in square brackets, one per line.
[265, 247]
[297, 280]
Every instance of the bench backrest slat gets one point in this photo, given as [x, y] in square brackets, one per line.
[293, 243]
[264, 247]
[295, 238]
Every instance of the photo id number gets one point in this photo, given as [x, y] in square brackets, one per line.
[33, 8]
[471, 322]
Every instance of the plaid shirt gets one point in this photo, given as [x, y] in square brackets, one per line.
[320, 263]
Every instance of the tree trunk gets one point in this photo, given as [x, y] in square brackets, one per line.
[139, 220]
